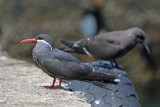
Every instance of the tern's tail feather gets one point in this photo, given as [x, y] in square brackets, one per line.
[95, 76]
[100, 79]
[67, 43]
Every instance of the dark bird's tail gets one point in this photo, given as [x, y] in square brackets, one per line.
[100, 79]
[69, 47]
[67, 43]
[66, 49]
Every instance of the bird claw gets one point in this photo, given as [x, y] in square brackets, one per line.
[47, 87]
[118, 67]
[55, 89]
[51, 88]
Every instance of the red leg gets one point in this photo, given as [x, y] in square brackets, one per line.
[54, 80]
[51, 87]
[60, 81]
[59, 87]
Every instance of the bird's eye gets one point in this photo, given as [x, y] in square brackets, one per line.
[141, 37]
[39, 38]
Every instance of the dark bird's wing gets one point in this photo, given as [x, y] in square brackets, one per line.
[106, 46]
[112, 38]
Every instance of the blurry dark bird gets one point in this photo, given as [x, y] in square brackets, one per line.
[108, 46]
[59, 64]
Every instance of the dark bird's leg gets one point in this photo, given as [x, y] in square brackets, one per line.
[112, 63]
[116, 65]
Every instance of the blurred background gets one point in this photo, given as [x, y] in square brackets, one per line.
[76, 19]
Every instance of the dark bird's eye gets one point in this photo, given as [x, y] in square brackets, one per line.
[141, 37]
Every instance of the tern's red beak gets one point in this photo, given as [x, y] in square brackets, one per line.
[33, 40]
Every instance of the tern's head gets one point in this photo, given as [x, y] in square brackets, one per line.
[42, 38]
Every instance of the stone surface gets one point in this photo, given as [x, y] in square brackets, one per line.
[21, 85]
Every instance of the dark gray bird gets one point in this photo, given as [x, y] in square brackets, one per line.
[108, 46]
[59, 64]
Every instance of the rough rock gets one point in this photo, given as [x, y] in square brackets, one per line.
[21, 85]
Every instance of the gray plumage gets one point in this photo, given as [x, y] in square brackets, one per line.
[108, 46]
[59, 64]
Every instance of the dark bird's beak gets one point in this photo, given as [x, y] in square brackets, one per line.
[33, 40]
[146, 47]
